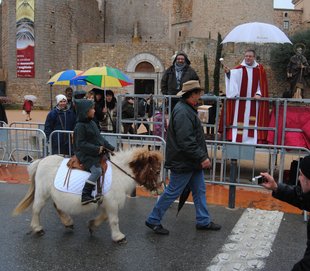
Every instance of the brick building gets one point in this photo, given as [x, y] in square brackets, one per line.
[138, 37]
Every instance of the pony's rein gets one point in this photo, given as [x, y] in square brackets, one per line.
[117, 166]
[112, 153]
[122, 169]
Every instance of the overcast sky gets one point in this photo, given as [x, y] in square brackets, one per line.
[283, 4]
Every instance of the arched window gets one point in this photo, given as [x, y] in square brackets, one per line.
[144, 67]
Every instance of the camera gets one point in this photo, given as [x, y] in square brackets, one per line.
[259, 179]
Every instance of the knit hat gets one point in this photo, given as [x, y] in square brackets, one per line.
[60, 97]
[305, 166]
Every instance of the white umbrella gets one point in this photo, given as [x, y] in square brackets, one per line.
[30, 98]
[256, 33]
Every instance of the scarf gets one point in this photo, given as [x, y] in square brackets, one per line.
[62, 109]
[178, 73]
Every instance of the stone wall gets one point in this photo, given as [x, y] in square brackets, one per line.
[59, 27]
[182, 11]
[152, 17]
[119, 55]
[213, 16]
[303, 5]
[293, 17]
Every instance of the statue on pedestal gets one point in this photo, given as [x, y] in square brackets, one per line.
[297, 71]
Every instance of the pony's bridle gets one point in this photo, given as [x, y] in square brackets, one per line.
[122, 170]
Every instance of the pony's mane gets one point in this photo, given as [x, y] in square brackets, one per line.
[142, 164]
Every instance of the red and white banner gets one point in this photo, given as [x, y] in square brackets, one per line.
[25, 38]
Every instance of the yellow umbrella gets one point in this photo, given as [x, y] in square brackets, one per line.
[65, 78]
[105, 77]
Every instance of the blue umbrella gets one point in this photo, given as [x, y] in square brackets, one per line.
[66, 78]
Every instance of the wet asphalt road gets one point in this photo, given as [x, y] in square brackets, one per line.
[184, 249]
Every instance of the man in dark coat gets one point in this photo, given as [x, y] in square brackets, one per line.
[186, 158]
[89, 146]
[178, 73]
[298, 196]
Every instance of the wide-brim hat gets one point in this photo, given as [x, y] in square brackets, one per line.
[189, 86]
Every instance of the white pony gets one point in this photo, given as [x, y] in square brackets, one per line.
[143, 165]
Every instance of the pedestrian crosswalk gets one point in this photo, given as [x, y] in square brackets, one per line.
[249, 243]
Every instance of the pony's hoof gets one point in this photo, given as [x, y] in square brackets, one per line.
[91, 226]
[70, 227]
[122, 241]
[40, 233]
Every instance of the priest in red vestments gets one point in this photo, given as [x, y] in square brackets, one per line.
[248, 80]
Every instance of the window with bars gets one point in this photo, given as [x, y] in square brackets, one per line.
[286, 25]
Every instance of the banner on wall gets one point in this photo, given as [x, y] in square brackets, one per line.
[25, 39]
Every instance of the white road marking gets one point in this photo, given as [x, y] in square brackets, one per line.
[250, 242]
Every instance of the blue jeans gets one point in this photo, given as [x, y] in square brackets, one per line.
[178, 182]
[95, 173]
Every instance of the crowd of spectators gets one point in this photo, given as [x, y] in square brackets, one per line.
[136, 113]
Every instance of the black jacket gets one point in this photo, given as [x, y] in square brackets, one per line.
[186, 147]
[293, 195]
[87, 138]
[127, 110]
[169, 81]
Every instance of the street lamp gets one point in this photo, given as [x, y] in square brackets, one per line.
[157, 70]
[51, 89]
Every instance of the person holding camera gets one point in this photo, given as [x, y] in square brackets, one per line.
[298, 196]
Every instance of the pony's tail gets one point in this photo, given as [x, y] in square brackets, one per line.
[29, 197]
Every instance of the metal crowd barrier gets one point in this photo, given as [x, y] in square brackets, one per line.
[21, 145]
[159, 103]
[237, 164]
[28, 124]
[233, 164]
[59, 137]
[249, 160]
[119, 141]
[3, 124]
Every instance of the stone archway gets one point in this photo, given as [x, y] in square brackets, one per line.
[139, 68]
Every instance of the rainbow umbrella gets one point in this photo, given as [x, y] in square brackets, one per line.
[66, 78]
[105, 77]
